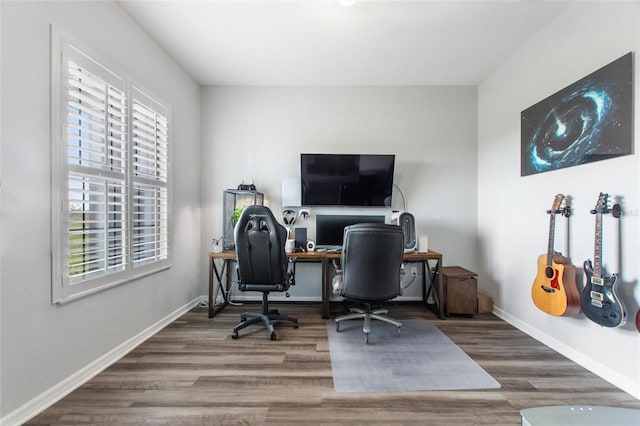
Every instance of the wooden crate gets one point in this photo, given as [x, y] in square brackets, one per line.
[485, 304]
[460, 291]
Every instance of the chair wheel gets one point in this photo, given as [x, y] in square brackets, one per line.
[398, 331]
[234, 335]
[243, 319]
[337, 326]
[295, 325]
[366, 338]
[272, 336]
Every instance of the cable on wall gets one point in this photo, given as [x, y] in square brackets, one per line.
[404, 205]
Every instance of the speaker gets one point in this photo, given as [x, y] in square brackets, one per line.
[311, 246]
[408, 224]
[301, 238]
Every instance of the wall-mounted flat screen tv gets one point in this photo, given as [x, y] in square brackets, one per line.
[357, 180]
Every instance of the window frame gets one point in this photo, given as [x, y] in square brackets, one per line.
[64, 288]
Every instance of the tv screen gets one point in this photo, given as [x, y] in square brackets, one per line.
[359, 180]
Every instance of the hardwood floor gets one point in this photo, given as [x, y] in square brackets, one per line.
[192, 372]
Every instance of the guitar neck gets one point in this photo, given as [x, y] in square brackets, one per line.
[552, 230]
[597, 255]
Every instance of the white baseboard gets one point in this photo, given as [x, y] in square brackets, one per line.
[590, 364]
[80, 377]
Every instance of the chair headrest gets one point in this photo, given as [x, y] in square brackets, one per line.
[373, 225]
[257, 218]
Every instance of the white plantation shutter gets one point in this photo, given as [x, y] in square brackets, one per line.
[96, 152]
[150, 223]
[97, 226]
[150, 178]
[111, 203]
[150, 141]
[96, 122]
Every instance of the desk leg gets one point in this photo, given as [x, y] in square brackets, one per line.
[438, 292]
[213, 310]
[425, 294]
[325, 288]
[438, 277]
[211, 267]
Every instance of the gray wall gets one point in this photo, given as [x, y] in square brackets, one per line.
[512, 220]
[258, 133]
[44, 344]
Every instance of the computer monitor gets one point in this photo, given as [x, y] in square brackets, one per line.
[330, 228]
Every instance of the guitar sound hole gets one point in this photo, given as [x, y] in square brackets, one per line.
[548, 271]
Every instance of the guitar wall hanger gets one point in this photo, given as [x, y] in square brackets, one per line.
[564, 211]
[615, 210]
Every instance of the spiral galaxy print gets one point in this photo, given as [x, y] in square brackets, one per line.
[587, 121]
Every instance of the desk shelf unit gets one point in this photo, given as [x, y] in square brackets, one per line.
[233, 198]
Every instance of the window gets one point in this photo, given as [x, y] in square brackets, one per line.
[111, 177]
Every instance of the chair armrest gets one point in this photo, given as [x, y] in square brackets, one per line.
[336, 266]
[337, 284]
[291, 270]
[401, 277]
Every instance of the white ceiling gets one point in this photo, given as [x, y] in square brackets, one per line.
[392, 42]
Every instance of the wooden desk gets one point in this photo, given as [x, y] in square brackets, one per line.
[325, 258]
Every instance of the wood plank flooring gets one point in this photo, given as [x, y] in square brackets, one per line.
[192, 372]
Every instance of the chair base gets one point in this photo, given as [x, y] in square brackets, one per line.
[266, 317]
[367, 314]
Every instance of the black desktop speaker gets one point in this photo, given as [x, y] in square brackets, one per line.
[408, 224]
[301, 238]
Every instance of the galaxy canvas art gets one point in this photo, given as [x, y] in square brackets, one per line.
[588, 121]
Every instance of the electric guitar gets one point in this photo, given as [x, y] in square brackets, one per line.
[554, 289]
[598, 299]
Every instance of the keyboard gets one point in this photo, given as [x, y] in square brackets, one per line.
[329, 249]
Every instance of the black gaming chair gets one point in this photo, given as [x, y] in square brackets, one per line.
[371, 265]
[262, 264]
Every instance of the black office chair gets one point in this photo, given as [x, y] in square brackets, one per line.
[371, 264]
[262, 264]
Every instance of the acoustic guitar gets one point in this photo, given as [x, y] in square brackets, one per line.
[598, 299]
[554, 289]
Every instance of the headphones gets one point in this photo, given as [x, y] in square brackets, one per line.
[243, 187]
[289, 217]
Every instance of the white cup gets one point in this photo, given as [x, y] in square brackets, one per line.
[423, 244]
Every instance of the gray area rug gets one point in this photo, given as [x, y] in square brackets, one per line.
[421, 358]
